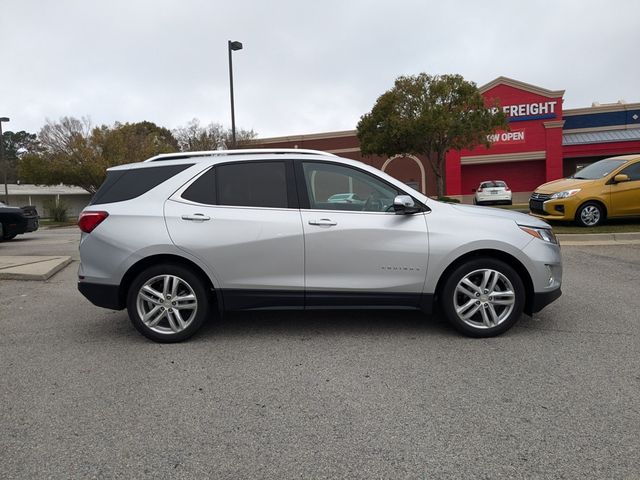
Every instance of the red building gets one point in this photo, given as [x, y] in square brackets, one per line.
[544, 142]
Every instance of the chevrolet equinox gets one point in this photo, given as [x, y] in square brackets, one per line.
[179, 236]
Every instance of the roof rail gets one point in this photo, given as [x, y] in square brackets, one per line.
[248, 151]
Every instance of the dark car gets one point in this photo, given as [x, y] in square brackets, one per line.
[17, 220]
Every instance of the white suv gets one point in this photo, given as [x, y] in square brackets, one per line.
[176, 237]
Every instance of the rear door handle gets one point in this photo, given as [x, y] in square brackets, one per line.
[196, 217]
[323, 222]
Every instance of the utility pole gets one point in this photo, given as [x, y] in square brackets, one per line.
[4, 161]
[232, 47]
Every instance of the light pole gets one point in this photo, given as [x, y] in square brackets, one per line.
[4, 162]
[232, 46]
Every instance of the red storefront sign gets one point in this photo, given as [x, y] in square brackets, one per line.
[526, 154]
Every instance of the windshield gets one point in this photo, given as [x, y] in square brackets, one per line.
[599, 169]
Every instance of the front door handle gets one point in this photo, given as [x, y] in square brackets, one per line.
[323, 222]
[196, 217]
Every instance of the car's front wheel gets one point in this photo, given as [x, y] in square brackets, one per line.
[483, 297]
[167, 303]
[590, 214]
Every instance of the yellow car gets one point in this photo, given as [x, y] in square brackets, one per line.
[605, 189]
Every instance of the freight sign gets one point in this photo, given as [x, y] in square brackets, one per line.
[529, 111]
[502, 137]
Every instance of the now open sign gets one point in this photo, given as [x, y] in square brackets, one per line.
[502, 137]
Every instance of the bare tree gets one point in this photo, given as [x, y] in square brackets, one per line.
[196, 137]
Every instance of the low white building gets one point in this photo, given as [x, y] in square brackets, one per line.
[75, 198]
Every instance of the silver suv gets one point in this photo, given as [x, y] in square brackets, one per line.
[179, 236]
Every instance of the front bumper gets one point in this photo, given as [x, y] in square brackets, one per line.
[102, 295]
[32, 224]
[560, 209]
[542, 299]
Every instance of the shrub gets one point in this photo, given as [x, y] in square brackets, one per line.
[448, 200]
[57, 210]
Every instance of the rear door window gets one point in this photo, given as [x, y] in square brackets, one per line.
[252, 184]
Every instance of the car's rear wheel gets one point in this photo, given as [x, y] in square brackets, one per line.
[167, 303]
[483, 297]
[590, 214]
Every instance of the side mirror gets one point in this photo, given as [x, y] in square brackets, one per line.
[621, 177]
[404, 204]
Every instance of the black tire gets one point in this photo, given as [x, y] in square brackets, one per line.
[474, 326]
[590, 214]
[162, 331]
[475, 202]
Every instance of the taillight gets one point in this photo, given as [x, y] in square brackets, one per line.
[88, 221]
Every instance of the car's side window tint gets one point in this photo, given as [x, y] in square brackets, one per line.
[336, 187]
[203, 189]
[633, 171]
[252, 184]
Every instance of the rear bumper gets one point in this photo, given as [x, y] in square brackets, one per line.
[101, 295]
[542, 299]
[493, 198]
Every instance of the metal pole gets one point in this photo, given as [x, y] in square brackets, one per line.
[233, 113]
[5, 163]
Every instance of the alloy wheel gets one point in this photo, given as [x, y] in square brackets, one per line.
[166, 304]
[590, 215]
[484, 298]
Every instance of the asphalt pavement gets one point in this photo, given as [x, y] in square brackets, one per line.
[322, 394]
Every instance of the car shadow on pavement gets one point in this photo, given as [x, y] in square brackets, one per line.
[329, 322]
[309, 324]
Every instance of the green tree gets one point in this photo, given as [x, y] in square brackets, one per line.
[429, 115]
[16, 145]
[75, 153]
[196, 137]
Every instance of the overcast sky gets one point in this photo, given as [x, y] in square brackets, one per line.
[306, 66]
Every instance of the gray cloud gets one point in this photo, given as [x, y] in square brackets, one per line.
[306, 67]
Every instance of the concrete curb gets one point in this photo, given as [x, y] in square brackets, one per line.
[595, 237]
[631, 238]
[32, 267]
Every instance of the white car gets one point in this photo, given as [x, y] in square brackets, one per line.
[492, 191]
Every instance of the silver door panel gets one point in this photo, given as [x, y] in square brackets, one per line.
[246, 247]
[365, 251]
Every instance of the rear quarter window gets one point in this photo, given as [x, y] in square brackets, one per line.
[121, 185]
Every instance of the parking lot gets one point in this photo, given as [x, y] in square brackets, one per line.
[375, 394]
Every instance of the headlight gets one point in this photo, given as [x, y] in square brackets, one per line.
[545, 234]
[565, 193]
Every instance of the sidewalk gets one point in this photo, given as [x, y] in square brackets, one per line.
[31, 267]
